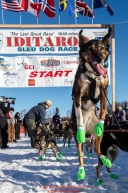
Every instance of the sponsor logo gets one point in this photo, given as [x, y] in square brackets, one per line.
[71, 62]
[8, 82]
[10, 74]
[31, 82]
[3, 64]
[68, 82]
[50, 62]
[25, 65]
[99, 37]
[1, 40]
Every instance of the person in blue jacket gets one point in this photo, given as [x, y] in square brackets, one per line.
[34, 115]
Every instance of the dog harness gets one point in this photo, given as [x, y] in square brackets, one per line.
[91, 92]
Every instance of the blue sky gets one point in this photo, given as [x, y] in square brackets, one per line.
[61, 97]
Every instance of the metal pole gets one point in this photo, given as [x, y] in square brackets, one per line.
[49, 26]
[92, 10]
[113, 69]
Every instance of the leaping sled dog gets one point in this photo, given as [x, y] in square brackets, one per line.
[90, 86]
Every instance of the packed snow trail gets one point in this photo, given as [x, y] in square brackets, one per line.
[21, 172]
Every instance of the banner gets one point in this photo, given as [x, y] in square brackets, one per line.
[39, 71]
[64, 41]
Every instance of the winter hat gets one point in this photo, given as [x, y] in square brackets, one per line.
[48, 102]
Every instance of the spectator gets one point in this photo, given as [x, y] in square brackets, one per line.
[116, 114]
[121, 116]
[11, 122]
[34, 115]
[108, 120]
[56, 119]
[4, 124]
[117, 111]
[25, 127]
[17, 125]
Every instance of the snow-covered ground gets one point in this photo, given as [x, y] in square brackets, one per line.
[21, 172]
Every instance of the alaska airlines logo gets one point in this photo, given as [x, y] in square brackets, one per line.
[10, 74]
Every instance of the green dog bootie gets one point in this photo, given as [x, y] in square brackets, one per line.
[106, 161]
[76, 154]
[69, 145]
[113, 176]
[58, 159]
[98, 129]
[81, 173]
[90, 155]
[80, 135]
[99, 181]
[60, 154]
[43, 156]
[40, 158]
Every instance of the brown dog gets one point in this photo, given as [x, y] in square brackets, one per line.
[67, 132]
[90, 86]
[45, 140]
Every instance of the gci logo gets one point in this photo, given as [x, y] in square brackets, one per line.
[26, 66]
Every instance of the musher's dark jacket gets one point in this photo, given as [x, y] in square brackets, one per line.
[37, 113]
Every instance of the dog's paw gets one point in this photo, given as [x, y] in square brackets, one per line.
[81, 173]
[99, 181]
[81, 136]
[106, 161]
[69, 145]
[113, 176]
[89, 155]
[58, 159]
[40, 158]
[60, 154]
[98, 129]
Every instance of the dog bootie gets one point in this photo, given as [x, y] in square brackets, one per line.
[113, 176]
[76, 154]
[81, 173]
[43, 156]
[69, 145]
[58, 159]
[89, 155]
[80, 134]
[99, 127]
[60, 154]
[106, 161]
[40, 158]
[99, 181]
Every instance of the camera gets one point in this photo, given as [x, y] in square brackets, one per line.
[4, 99]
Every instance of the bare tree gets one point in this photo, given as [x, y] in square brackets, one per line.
[68, 114]
[54, 111]
[22, 113]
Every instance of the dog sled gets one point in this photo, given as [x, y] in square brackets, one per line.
[115, 134]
